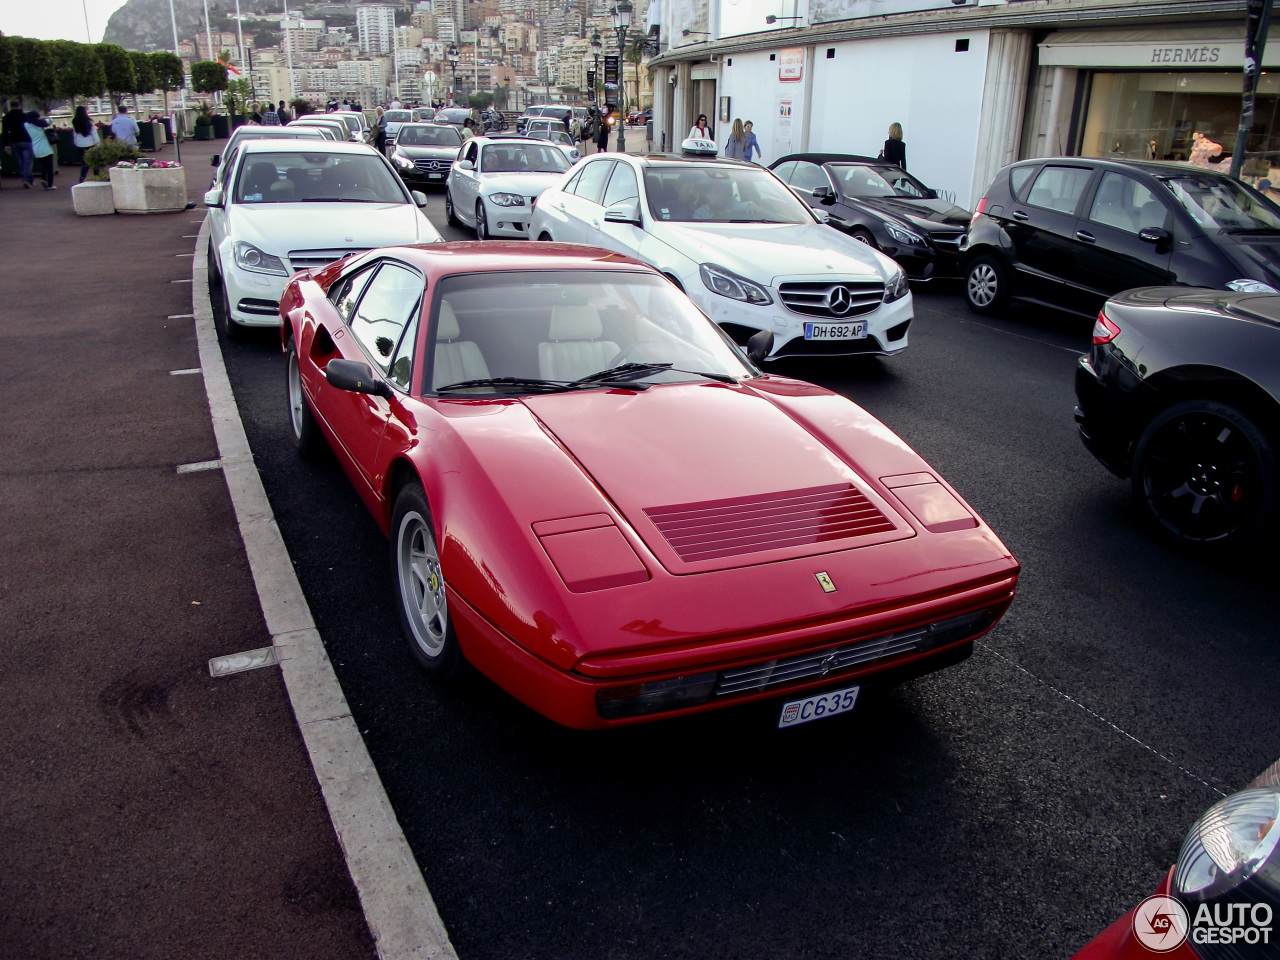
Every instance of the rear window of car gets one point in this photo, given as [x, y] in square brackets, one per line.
[1059, 188]
[1018, 178]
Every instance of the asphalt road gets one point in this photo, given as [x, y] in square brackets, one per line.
[1012, 806]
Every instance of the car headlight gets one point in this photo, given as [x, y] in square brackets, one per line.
[401, 161]
[249, 257]
[729, 284]
[1245, 285]
[904, 236]
[506, 199]
[896, 286]
[1229, 845]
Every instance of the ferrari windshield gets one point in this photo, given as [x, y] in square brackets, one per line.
[721, 193]
[540, 331]
[428, 135]
[522, 157]
[1223, 204]
[858, 180]
[316, 177]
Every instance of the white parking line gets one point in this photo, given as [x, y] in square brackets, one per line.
[240, 662]
[397, 904]
[181, 316]
[200, 467]
[185, 254]
[183, 373]
[179, 281]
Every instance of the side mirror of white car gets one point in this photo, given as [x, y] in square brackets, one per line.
[419, 197]
[823, 216]
[624, 211]
[465, 165]
[213, 198]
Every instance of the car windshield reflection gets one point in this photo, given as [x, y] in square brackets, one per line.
[721, 194]
[520, 333]
[423, 135]
[857, 180]
[1217, 202]
[522, 158]
[315, 178]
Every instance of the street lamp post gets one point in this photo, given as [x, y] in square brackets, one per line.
[453, 65]
[621, 15]
[596, 47]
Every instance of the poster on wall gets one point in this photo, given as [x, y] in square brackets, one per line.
[782, 128]
[791, 65]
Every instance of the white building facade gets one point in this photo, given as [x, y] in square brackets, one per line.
[975, 85]
[375, 25]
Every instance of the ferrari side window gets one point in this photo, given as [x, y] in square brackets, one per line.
[346, 292]
[384, 311]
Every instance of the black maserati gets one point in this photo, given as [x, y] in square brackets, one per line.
[1180, 393]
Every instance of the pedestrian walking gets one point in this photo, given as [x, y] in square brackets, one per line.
[84, 135]
[13, 132]
[380, 131]
[269, 117]
[750, 144]
[124, 127]
[602, 138]
[895, 151]
[283, 115]
[700, 130]
[41, 149]
[735, 147]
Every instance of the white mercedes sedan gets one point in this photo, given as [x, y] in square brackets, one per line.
[749, 253]
[280, 206]
[496, 181]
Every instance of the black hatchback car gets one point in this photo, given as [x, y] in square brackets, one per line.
[1069, 232]
[882, 205]
[1181, 393]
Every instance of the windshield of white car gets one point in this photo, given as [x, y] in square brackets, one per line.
[720, 193]
[428, 135]
[316, 177]
[522, 157]
[1218, 203]
[857, 180]
[398, 116]
[534, 331]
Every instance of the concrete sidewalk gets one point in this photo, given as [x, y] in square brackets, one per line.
[147, 810]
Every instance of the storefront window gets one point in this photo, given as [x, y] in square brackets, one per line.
[1155, 116]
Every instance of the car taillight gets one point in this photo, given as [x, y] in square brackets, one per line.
[1104, 331]
[982, 206]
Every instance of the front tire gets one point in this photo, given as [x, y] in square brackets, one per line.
[986, 285]
[864, 236]
[1204, 475]
[482, 225]
[450, 214]
[306, 432]
[218, 289]
[422, 601]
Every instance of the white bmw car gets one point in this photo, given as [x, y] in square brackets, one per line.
[741, 245]
[496, 181]
[280, 206]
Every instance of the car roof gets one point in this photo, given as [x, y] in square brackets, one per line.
[265, 133]
[277, 145]
[1166, 168]
[495, 256]
[671, 158]
[507, 136]
[829, 158]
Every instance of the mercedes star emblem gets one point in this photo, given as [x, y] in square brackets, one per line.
[839, 301]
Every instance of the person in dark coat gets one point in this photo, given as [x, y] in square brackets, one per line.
[602, 138]
[13, 133]
[895, 151]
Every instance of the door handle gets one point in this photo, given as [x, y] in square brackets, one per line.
[560, 207]
[1019, 215]
[596, 224]
[1085, 235]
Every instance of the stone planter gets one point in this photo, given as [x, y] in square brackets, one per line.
[221, 128]
[93, 198]
[204, 133]
[154, 190]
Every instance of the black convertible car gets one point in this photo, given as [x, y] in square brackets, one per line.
[882, 205]
[1180, 392]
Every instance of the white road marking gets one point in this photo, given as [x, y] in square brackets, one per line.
[184, 254]
[179, 281]
[200, 467]
[397, 905]
[183, 373]
[181, 316]
[1124, 733]
[240, 662]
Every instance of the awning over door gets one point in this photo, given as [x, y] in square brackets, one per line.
[1207, 47]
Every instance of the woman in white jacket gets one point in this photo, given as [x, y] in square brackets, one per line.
[700, 131]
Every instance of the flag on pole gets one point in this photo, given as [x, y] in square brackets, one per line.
[229, 67]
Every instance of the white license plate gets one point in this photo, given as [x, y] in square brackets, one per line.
[818, 707]
[435, 176]
[835, 331]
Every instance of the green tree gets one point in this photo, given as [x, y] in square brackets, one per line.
[299, 107]
[119, 70]
[237, 95]
[169, 75]
[144, 78]
[208, 76]
[482, 100]
[79, 69]
[8, 75]
[34, 75]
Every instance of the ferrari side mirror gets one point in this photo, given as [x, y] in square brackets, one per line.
[356, 377]
[759, 346]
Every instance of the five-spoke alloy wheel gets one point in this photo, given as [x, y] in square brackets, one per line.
[423, 604]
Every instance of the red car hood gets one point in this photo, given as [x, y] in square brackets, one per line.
[707, 473]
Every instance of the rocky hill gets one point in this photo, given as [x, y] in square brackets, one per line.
[145, 24]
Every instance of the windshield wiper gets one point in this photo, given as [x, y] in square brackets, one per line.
[761, 220]
[518, 383]
[338, 200]
[634, 371]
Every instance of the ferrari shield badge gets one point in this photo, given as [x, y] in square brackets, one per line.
[824, 581]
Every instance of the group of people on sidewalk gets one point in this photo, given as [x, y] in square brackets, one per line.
[25, 139]
[743, 145]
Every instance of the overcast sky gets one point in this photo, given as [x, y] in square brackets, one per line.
[56, 19]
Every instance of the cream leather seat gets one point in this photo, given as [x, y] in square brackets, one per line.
[574, 349]
[456, 360]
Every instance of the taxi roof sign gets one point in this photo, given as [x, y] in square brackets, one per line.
[697, 147]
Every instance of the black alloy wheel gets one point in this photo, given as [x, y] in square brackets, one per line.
[1205, 476]
[864, 236]
[986, 285]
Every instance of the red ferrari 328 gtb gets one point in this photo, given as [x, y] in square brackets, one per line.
[598, 501]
